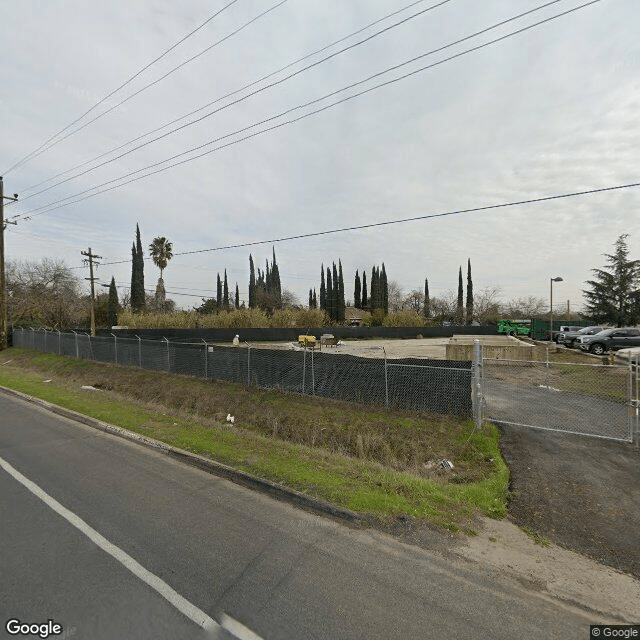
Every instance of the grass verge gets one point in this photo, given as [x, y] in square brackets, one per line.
[373, 461]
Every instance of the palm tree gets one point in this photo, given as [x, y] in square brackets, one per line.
[161, 251]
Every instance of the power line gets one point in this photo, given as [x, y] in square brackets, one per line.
[157, 80]
[429, 216]
[31, 155]
[237, 101]
[231, 93]
[62, 202]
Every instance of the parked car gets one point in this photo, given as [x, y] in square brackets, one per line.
[610, 340]
[563, 329]
[569, 338]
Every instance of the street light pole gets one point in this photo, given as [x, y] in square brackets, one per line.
[557, 279]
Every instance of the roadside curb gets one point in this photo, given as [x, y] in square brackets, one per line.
[279, 492]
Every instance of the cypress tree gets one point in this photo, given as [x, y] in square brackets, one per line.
[310, 299]
[373, 293]
[335, 301]
[364, 302]
[357, 292]
[112, 304]
[219, 293]
[137, 274]
[329, 303]
[315, 300]
[252, 283]
[385, 291]
[323, 289]
[469, 293]
[460, 309]
[427, 302]
[225, 295]
[341, 300]
[237, 297]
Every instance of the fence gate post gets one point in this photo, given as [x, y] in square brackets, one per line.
[386, 381]
[477, 383]
[206, 350]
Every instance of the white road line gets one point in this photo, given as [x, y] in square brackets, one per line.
[184, 606]
[237, 628]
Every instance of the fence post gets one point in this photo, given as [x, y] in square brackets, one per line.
[115, 347]
[168, 354]
[91, 356]
[386, 381]
[248, 364]
[304, 366]
[477, 382]
[206, 366]
[76, 340]
[313, 375]
[33, 338]
[139, 351]
[59, 343]
[45, 340]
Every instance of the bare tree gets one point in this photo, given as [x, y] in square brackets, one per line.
[395, 296]
[45, 293]
[487, 305]
[414, 301]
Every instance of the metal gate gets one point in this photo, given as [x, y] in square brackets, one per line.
[587, 399]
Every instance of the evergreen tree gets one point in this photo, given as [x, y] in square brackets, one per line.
[113, 305]
[137, 274]
[357, 292]
[323, 289]
[252, 283]
[315, 300]
[427, 302]
[460, 308]
[237, 297]
[219, 293]
[341, 300]
[374, 302]
[225, 294]
[469, 293]
[385, 290]
[336, 293]
[276, 286]
[329, 308]
[310, 299]
[365, 301]
[614, 296]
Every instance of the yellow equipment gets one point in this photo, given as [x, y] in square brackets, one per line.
[307, 341]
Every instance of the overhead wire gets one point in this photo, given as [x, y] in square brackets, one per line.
[233, 103]
[227, 95]
[163, 77]
[30, 155]
[383, 223]
[63, 202]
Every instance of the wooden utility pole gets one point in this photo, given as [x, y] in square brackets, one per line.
[90, 258]
[4, 323]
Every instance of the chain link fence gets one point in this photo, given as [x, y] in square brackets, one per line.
[439, 386]
[588, 399]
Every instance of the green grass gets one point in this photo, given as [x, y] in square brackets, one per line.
[276, 437]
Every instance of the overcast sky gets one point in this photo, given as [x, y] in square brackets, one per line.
[549, 111]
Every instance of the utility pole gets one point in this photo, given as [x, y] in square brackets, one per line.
[90, 258]
[4, 323]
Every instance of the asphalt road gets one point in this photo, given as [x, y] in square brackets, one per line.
[121, 542]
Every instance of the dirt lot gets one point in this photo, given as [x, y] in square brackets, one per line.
[579, 492]
[431, 348]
